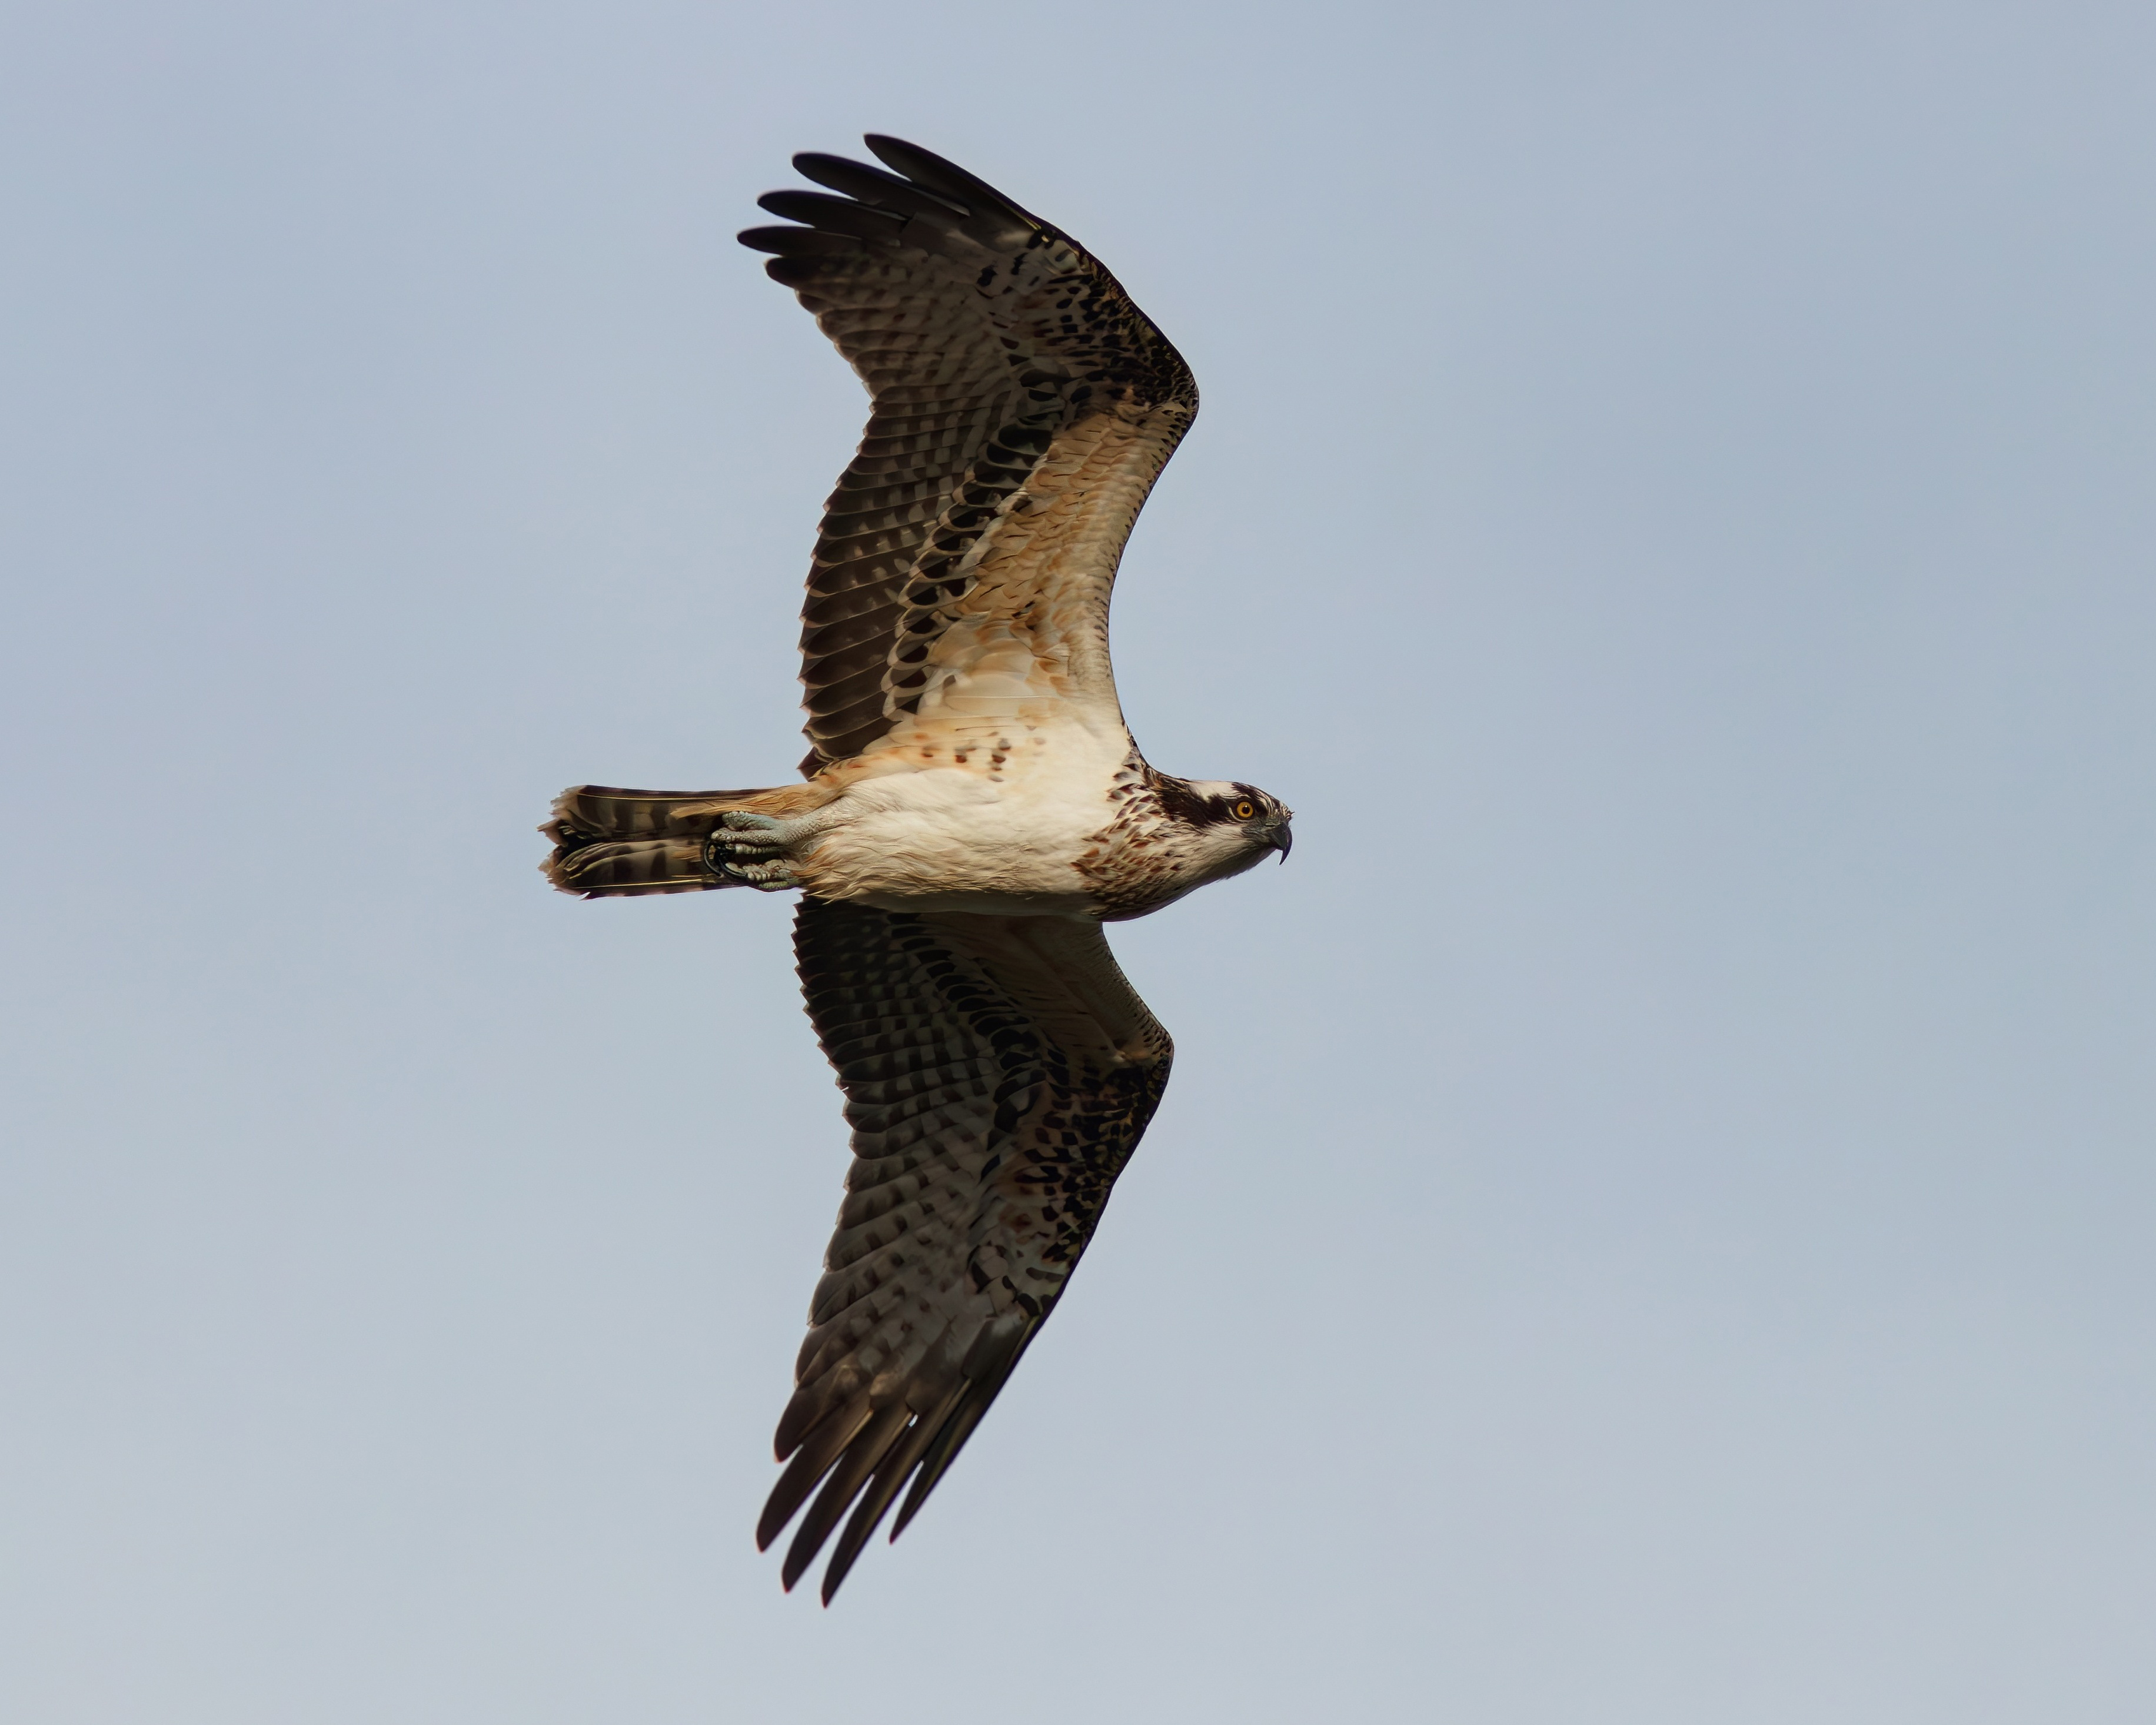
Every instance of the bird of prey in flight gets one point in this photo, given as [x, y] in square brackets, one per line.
[974, 810]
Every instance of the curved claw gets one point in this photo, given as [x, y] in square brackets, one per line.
[746, 849]
[740, 831]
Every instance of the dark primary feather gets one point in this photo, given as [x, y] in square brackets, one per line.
[998, 1071]
[946, 178]
[983, 334]
[873, 186]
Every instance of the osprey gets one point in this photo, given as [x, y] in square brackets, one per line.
[974, 809]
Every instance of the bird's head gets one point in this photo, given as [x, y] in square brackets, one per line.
[1226, 826]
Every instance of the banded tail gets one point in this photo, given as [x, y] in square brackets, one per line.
[610, 843]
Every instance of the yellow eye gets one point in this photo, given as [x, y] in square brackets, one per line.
[1243, 809]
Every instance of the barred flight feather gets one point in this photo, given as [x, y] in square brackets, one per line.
[995, 349]
[957, 1040]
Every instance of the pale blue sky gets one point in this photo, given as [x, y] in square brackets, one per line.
[1651, 1225]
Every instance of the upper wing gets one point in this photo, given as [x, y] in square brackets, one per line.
[999, 1071]
[1023, 407]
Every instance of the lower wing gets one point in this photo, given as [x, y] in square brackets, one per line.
[999, 1071]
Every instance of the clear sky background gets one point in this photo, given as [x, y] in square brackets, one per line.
[1652, 1224]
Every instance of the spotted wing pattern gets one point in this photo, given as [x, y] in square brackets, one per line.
[1022, 409]
[998, 1072]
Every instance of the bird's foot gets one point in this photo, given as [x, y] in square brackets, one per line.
[751, 850]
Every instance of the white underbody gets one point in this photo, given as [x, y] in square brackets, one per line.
[994, 836]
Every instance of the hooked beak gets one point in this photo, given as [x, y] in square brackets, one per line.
[1284, 839]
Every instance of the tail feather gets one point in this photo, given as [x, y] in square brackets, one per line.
[610, 843]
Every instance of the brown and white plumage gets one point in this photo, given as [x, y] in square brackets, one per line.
[1022, 409]
[974, 810]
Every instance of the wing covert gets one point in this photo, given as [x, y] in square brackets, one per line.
[1022, 407]
[998, 1072]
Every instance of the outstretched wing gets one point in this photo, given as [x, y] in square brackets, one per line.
[999, 1071]
[1023, 407]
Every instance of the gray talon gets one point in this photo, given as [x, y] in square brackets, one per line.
[740, 832]
[747, 848]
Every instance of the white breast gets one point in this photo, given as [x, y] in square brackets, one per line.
[992, 823]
